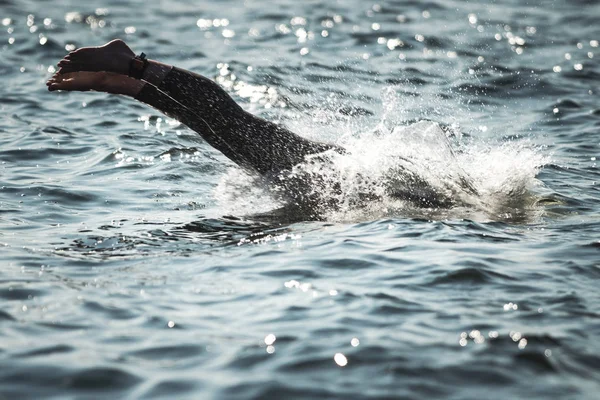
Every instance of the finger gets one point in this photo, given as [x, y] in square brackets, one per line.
[70, 68]
[73, 66]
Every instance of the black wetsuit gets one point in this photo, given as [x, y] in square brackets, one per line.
[249, 141]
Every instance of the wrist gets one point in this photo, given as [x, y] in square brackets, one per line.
[137, 66]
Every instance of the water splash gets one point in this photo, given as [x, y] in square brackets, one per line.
[396, 168]
[417, 170]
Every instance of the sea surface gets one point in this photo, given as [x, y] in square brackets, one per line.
[136, 262]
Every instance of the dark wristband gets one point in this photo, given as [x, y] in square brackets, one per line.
[137, 66]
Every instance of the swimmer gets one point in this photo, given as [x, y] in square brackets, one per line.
[257, 145]
[198, 102]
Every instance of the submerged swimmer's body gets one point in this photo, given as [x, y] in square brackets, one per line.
[253, 143]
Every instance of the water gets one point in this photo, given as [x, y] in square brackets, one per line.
[137, 262]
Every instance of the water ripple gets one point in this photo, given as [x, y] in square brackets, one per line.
[137, 262]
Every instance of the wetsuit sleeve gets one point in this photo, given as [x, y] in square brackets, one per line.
[249, 141]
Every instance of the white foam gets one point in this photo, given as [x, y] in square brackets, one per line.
[416, 169]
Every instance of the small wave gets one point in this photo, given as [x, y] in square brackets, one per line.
[99, 379]
[172, 388]
[47, 351]
[4, 316]
[16, 293]
[168, 353]
[41, 381]
[470, 275]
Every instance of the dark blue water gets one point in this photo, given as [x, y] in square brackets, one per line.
[138, 262]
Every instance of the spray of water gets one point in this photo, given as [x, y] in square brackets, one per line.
[398, 168]
[413, 170]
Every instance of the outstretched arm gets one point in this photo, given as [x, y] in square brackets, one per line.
[194, 100]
